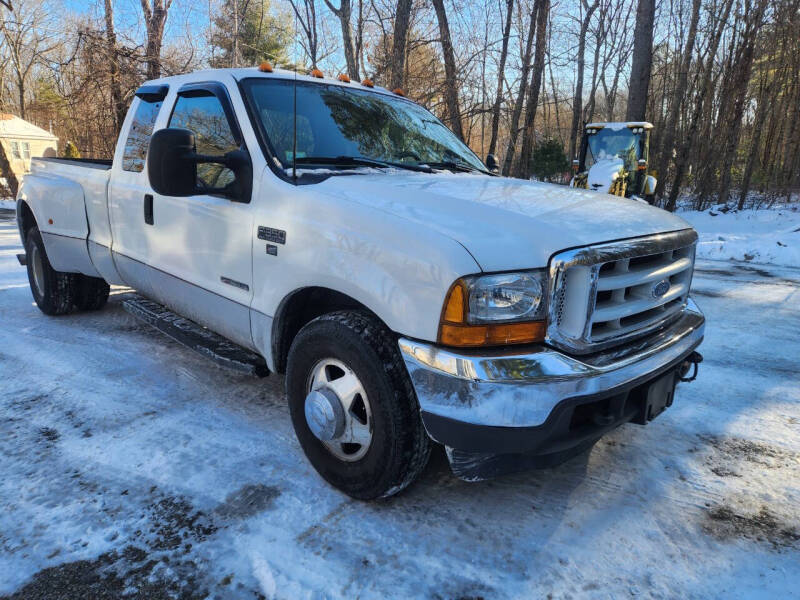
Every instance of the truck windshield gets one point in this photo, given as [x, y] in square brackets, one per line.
[608, 143]
[335, 124]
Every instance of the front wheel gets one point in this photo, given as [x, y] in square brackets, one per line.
[353, 406]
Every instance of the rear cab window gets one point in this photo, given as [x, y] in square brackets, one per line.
[135, 154]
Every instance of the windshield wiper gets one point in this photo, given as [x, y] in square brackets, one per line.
[358, 161]
[452, 165]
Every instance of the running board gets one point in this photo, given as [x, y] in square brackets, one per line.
[23, 259]
[197, 338]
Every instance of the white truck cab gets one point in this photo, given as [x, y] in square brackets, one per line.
[344, 236]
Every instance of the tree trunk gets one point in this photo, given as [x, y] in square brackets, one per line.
[154, 19]
[706, 85]
[498, 102]
[344, 13]
[577, 101]
[400, 35]
[740, 87]
[676, 102]
[5, 168]
[117, 105]
[523, 86]
[642, 61]
[451, 75]
[529, 132]
[764, 100]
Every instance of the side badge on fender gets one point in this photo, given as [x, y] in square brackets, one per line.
[268, 234]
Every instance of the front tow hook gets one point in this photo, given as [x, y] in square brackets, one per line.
[694, 359]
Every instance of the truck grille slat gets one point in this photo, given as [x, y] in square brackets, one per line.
[606, 294]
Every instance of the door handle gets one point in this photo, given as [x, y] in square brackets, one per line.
[148, 209]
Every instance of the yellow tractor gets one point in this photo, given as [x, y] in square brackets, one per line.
[613, 160]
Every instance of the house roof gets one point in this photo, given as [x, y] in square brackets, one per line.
[12, 127]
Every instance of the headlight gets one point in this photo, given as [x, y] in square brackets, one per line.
[506, 308]
[505, 297]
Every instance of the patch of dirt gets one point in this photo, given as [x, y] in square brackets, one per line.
[154, 567]
[707, 293]
[176, 522]
[248, 501]
[730, 454]
[49, 434]
[725, 523]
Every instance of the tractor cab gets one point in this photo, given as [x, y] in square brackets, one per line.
[613, 159]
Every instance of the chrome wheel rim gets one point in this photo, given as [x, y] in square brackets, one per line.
[38, 269]
[348, 434]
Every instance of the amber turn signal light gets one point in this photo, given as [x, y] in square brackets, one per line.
[455, 331]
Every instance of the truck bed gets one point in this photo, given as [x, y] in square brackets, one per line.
[89, 163]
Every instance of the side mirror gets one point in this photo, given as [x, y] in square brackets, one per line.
[492, 164]
[171, 166]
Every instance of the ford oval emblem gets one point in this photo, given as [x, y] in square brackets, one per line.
[661, 288]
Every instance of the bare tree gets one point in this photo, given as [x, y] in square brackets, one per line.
[642, 61]
[498, 101]
[676, 103]
[451, 76]
[308, 22]
[399, 40]
[577, 101]
[118, 105]
[155, 18]
[352, 48]
[513, 130]
[528, 132]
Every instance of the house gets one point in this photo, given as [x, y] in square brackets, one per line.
[22, 140]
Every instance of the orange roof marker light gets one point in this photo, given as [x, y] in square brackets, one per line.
[265, 66]
[317, 73]
[344, 78]
[367, 83]
[399, 92]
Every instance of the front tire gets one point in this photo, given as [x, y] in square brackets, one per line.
[374, 444]
[92, 293]
[53, 291]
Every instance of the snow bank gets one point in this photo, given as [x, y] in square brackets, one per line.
[8, 204]
[766, 236]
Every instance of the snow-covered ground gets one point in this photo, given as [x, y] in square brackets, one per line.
[766, 236]
[131, 465]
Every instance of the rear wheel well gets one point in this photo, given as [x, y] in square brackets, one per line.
[25, 219]
[300, 308]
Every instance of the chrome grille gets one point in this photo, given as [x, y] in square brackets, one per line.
[605, 294]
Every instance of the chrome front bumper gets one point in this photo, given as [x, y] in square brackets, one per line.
[509, 389]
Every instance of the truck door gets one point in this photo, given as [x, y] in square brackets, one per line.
[198, 248]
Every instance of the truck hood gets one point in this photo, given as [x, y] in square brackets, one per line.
[504, 223]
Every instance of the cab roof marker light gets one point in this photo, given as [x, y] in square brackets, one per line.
[367, 83]
[344, 78]
[317, 73]
[399, 92]
[265, 66]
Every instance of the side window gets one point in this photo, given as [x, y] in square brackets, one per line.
[15, 150]
[26, 150]
[139, 135]
[205, 117]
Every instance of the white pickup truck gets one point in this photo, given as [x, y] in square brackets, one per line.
[340, 234]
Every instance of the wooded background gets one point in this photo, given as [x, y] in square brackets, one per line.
[719, 79]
